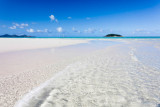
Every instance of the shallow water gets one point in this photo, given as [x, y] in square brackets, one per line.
[125, 74]
[18, 61]
[21, 71]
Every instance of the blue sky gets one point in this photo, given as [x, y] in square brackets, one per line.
[80, 18]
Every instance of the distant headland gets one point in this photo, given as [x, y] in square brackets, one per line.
[15, 36]
[113, 35]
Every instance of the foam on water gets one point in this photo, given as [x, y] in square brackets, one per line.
[133, 56]
[38, 93]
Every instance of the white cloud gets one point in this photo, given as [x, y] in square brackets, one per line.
[30, 30]
[13, 27]
[60, 29]
[16, 25]
[75, 30]
[69, 17]
[52, 17]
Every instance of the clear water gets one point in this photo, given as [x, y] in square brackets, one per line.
[149, 37]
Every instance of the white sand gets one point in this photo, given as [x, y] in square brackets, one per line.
[22, 69]
[16, 44]
[124, 75]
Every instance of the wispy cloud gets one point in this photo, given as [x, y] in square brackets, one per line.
[59, 29]
[39, 31]
[88, 18]
[75, 30]
[4, 26]
[90, 30]
[16, 25]
[43, 31]
[30, 30]
[101, 30]
[69, 17]
[33, 23]
[141, 31]
[23, 25]
[13, 27]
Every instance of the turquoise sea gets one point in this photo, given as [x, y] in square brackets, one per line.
[149, 37]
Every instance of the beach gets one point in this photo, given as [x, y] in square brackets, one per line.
[80, 73]
[26, 63]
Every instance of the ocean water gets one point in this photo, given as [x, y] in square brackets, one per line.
[140, 37]
[106, 37]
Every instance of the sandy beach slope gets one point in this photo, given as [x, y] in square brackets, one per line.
[26, 63]
[122, 75]
[17, 44]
